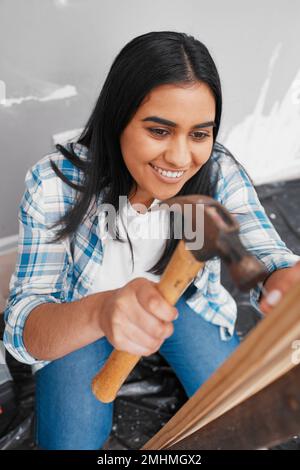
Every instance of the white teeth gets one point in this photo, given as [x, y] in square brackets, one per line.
[169, 174]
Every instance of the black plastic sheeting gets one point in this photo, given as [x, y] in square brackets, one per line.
[17, 403]
[152, 392]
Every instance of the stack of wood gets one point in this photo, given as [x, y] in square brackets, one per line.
[251, 401]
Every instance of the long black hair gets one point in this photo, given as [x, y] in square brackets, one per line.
[147, 61]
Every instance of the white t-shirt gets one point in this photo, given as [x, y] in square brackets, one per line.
[148, 233]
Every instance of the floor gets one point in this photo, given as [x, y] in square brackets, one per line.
[152, 393]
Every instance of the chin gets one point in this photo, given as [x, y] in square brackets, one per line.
[168, 195]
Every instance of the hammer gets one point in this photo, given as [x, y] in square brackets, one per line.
[219, 232]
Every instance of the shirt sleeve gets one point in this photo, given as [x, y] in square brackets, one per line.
[257, 233]
[40, 268]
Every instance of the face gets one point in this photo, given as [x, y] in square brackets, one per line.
[168, 140]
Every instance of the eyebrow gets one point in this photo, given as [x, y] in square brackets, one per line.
[166, 122]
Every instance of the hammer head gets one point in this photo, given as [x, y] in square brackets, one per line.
[220, 238]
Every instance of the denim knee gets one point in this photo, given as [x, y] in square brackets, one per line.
[68, 416]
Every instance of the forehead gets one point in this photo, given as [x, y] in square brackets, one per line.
[188, 102]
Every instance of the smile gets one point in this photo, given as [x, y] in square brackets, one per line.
[167, 174]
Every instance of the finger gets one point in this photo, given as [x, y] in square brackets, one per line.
[135, 314]
[153, 326]
[273, 297]
[134, 348]
[137, 336]
[271, 300]
[265, 307]
[148, 323]
[152, 301]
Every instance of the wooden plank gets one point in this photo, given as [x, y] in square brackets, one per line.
[266, 419]
[264, 356]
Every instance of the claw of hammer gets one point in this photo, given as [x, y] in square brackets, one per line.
[220, 238]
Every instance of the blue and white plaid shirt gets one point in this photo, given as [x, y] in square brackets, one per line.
[64, 271]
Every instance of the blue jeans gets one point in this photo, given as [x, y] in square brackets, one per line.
[68, 416]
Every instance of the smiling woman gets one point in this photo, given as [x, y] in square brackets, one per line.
[127, 154]
[76, 294]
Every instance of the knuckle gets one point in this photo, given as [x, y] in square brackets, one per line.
[169, 315]
[162, 333]
[150, 344]
[119, 305]
[153, 304]
[117, 340]
[150, 351]
[169, 329]
[155, 344]
[115, 322]
[147, 353]
[159, 331]
[173, 312]
[164, 310]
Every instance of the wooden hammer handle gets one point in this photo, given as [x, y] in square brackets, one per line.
[179, 273]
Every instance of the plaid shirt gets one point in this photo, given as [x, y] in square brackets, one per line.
[64, 271]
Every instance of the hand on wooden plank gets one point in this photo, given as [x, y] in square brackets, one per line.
[278, 284]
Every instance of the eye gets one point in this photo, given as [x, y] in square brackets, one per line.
[157, 131]
[162, 132]
[201, 135]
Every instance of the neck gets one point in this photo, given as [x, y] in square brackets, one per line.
[136, 198]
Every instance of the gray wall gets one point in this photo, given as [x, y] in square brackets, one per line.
[54, 56]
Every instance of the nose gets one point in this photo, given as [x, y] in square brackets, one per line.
[178, 154]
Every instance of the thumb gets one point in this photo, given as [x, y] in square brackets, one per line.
[273, 297]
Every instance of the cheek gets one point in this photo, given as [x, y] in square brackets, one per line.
[201, 156]
[148, 148]
[138, 149]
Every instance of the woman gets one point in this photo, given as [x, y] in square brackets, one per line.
[76, 293]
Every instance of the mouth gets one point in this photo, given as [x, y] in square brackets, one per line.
[167, 176]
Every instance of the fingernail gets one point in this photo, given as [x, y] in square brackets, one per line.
[273, 297]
